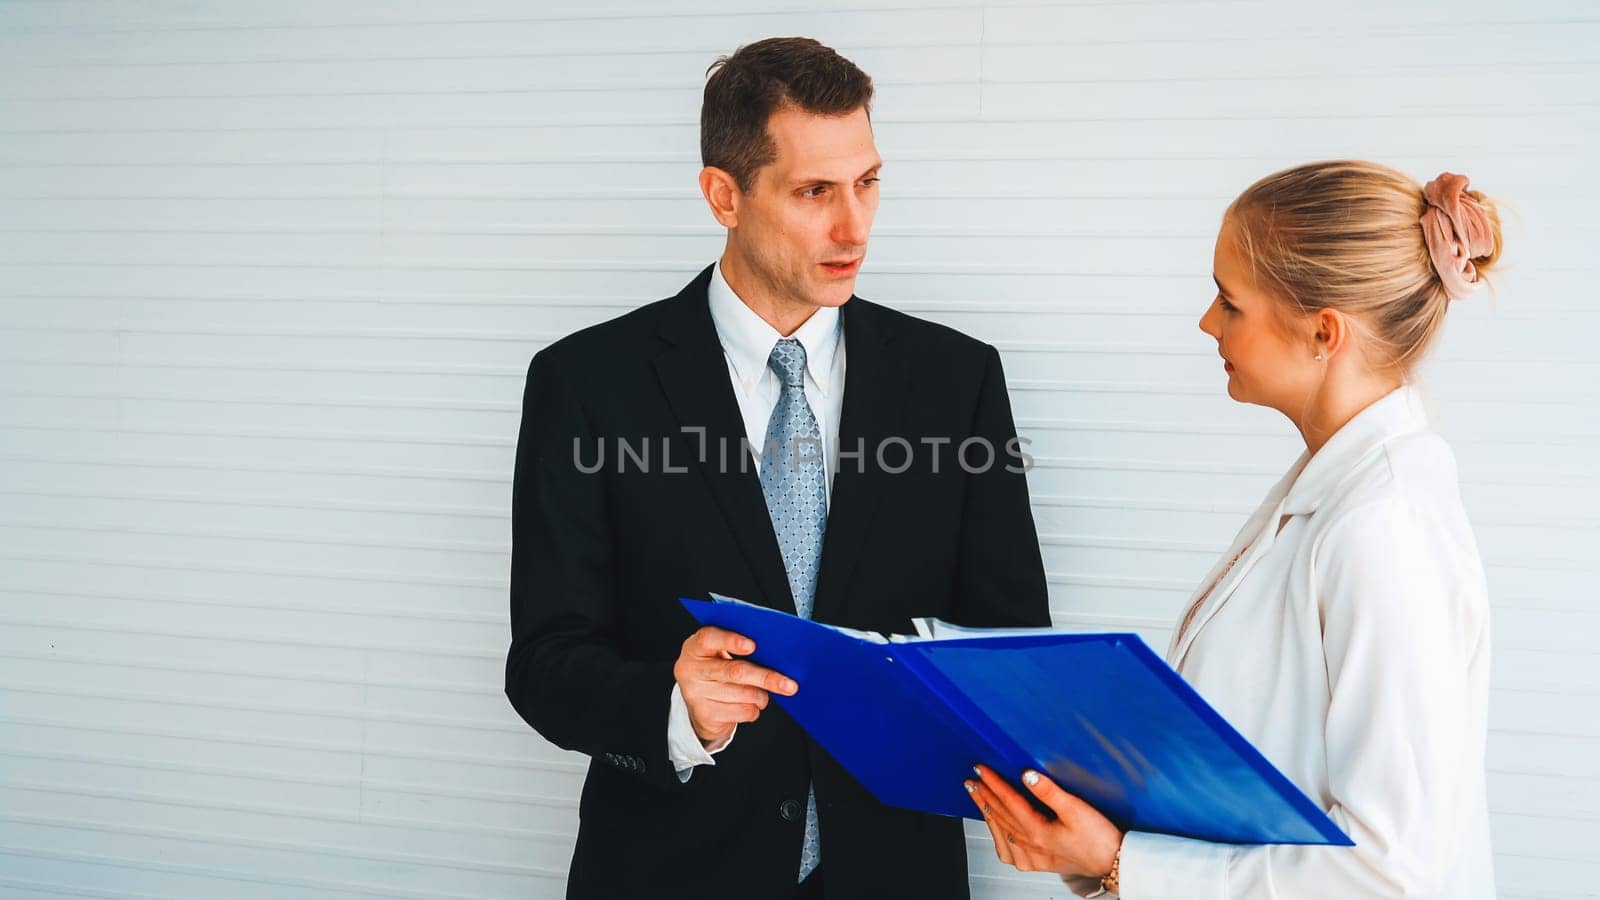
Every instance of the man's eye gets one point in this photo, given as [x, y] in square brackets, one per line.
[816, 191]
[869, 182]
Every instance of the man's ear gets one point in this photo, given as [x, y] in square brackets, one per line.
[722, 194]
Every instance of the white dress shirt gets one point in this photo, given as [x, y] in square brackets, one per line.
[747, 342]
[1350, 644]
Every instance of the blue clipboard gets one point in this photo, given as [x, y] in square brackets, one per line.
[1102, 714]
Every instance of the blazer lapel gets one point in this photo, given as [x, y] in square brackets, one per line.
[1265, 532]
[1260, 530]
[694, 377]
[875, 388]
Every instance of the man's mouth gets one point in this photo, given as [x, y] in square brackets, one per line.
[842, 267]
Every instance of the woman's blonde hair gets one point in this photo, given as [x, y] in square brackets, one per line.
[1347, 235]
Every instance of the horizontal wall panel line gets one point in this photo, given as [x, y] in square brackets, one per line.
[504, 478]
[623, 54]
[423, 439]
[1181, 585]
[441, 334]
[344, 713]
[504, 513]
[620, 304]
[1174, 505]
[475, 440]
[48, 887]
[481, 548]
[940, 11]
[1557, 112]
[372, 576]
[1496, 150]
[280, 468]
[251, 365]
[577, 14]
[577, 53]
[355, 751]
[1543, 479]
[407, 403]
[674, 88]
[245, 637]
[406, 263]
[337, 816]
[1464, 28]
[216, 872]
[320, 504]
[490, 689]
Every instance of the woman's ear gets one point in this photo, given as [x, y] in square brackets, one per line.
[1332, 332]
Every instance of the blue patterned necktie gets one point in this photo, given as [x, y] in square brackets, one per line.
[794, 482]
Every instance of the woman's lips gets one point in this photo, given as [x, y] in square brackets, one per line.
[1227, 367]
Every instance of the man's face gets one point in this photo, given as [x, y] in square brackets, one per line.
[802, 229]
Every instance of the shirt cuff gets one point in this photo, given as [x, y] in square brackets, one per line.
[1160, 866]
[683, 745]
[1086, 886]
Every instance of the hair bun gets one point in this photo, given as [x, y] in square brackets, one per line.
[1459, 230]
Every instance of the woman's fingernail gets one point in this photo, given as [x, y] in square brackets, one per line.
[977, 771]
[969, 786]
[1030, 778]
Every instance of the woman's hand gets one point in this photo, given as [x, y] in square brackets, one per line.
[1079, 841]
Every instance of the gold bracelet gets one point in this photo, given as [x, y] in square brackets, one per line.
[1112, 880]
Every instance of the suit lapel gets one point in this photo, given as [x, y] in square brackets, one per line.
[876, 383]
[694, 377]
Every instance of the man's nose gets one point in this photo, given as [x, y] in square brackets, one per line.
[851, 225]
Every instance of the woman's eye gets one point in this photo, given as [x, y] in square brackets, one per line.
[1223, 302]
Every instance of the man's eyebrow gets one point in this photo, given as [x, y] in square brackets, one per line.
[821, 180]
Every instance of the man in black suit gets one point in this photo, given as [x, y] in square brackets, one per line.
[717, 441]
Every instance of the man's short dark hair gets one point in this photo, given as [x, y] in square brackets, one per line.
[759, 79]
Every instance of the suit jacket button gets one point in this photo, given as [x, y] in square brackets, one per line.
[791, 810]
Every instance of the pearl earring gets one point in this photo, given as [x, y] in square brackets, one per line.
[1318, 357]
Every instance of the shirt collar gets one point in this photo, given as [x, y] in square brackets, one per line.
[748, 339]
[1397, 413]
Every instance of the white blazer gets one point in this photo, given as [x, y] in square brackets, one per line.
[1352, 648]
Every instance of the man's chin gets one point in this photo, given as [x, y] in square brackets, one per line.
[834, 293]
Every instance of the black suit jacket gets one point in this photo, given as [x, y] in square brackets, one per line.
[600, 559]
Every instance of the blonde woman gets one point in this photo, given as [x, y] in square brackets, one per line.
[1346, 631]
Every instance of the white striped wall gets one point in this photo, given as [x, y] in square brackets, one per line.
[270, 274]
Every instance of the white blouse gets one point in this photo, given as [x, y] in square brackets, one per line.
[1350, 643]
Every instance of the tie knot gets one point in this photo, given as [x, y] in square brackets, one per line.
[788, 359]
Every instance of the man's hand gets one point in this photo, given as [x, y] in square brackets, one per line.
[720, 691]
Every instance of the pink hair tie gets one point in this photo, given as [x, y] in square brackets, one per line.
[1457, 230]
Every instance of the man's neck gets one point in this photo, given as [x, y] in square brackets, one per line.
[785, 316]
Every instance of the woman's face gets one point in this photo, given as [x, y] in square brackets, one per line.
[1268, 362]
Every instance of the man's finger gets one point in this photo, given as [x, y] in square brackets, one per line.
[711, 642]
[719, 715]
[739, 671]
[728, 692]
